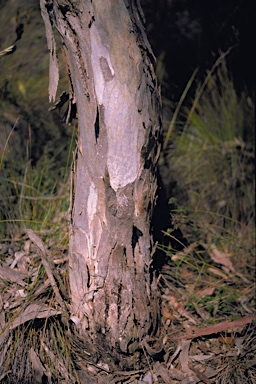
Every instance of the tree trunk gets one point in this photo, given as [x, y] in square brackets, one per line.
[114, 294]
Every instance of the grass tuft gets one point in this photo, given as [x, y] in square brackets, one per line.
[209, 163]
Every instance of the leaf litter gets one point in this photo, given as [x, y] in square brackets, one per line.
[197, 345]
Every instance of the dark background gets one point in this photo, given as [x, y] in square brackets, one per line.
[192, 33]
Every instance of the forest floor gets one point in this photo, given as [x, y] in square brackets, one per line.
[207, 319]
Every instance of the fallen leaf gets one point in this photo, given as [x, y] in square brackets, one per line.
[162, 371]
[6, 273]
[179, 307]
[18, 255]
[184, 252]
[201, 312]
[57, 360]
[33, 311]
[199, 374]
[227, 340]
[205, 292]
[219, 257]
[166, 313]
[202, 357]
[176, 374]
[217, 272]
[184, 358]
[216, 328]
[27, 246]
[37, 366]
[223, 258]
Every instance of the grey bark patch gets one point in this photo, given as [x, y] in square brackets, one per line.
[106, 71]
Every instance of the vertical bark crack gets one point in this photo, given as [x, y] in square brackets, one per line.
[97, 125]
[119, 301]
[136, 234]
[88, 278]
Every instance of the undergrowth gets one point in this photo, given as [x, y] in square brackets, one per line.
[34, 196]
[208, 168]
[208, 160]
[33, 346]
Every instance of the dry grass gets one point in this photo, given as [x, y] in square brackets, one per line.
[210, 276]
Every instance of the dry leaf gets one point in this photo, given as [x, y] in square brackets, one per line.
[6, 273]
[205, 292]
[227, 340]
[202, 357]
[33, 311]
[223, 258]
[184, 358]
[221, 327]
[184, 252]
[201, 312]
[27, 245]
[179, 307]
[199, 374]
[166, 313]
[217, 272]
[176, 374]
[2, 320]
[58, 361]
[161, 371]
[37, 366]
[48, 264]
[220, 258]
[18, 255]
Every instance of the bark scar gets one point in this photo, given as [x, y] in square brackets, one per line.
[105, 69]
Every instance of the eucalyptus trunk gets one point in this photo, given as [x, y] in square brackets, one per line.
[112, 82]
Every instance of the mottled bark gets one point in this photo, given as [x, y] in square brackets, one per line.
[114, 296]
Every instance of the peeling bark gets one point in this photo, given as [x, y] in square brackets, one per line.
[114, 296]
